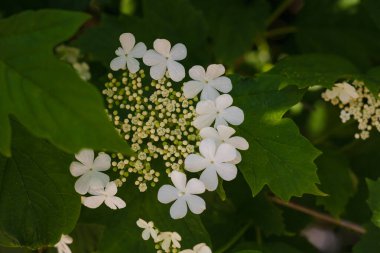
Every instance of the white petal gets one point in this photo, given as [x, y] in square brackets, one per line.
[158, 71]
[225, 132]
[237, 159]
[214, 71]
[204, 120]
[167, 193]
[152, 58]
[176, 71]
[127, 41]
[94, 201]
[179, 209]
[209, 93]
[196, 204]
[207, 148]
[133, 64]
[146, 234]
[222, 84]
[118, 63]
[165, 245]
[138, 51]
[192, 88]
[219, 121]
[226, 171]
[111, 189]
[195, 163]
[225, 153]
[238, 142]
[86, 156]
[197, 73]
[141, 223]
[205, 107]
[195, 186]
[179, 180]
[178, 52]
[210, 178]
[77, 169]
[67, 239]
[82, 185]
[102, 162]
[209, 132]
[98, 180]
[114, 202]
[162, 46]
[202, 248]
[233, 115]
[223, 101]
[120, 52]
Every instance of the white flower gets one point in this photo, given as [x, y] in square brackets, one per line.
[213, 161]
[89, 170]
[183, 195]
[209, 82]
[83, 70]
[106, 195]
[68, 54]
[168, 239]
[127, 53]
[165, 57]
[344, 91]
[149, 230]
[62, 244]
[219, 111]
[199, 248]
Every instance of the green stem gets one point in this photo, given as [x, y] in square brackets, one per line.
[259, 238]
[280, 31]
[278, 11]
[235, 238]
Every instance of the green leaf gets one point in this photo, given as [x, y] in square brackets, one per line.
[279, 156]
[37, 198]
[248, 251]
[312, 69]
[336, 181]
[369, 243]
[374, 200]
[44, 94]
[372, 80]
[373, 8]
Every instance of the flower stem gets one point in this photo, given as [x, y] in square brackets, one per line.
[235, 238]
[280, 31]
[278, 11]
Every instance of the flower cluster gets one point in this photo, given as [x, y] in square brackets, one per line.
[72, 56]
[167, 241]
[357, 102]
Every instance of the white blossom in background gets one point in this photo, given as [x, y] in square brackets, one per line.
[106, 195]
[68, 54]
[209, 82]
[169, 240]
[149, 230]
[213, 161]
[164, 57]
[183, 194]
[219, 111]
[83, 70]
[89, 169]
[62, 245]
[127, 53]
[345, 92]
[199, 248]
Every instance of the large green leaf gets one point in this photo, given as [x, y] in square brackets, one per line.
[369, 243]
[279, 156]
[374, 200]
[44, 94]
[37, 198]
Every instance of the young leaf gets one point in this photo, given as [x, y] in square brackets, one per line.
[44, 94]
[374, 200]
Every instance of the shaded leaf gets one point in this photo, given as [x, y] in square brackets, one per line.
[369, 243]
[374, 200]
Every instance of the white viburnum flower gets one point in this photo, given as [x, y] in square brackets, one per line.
[149, 230]
[89, 170]
[83, 70]
[127, 53]
[219, 110]
[169, 239]
[199, 248]
[165, 57]
[184, 194]
[209, 82]
[106, 195]
[344, 91]
[213, 160]
[62, 246]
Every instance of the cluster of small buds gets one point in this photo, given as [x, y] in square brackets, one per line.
[168, 242]
[357, 102]
[72, 55]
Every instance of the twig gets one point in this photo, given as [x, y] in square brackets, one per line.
[320, 216]
[278, 11]
[280, 31]
[235, 238]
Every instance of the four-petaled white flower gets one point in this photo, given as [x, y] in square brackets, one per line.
[219, 111]
[209, 82]
[169, 239]
[89, 170]
[149, 230]
[222, 134]
[106, 195]
[199, 248]
[165, 57]
[344, 91]
[62, 244]
[183, 194]
[214, 160]
[127, 53]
